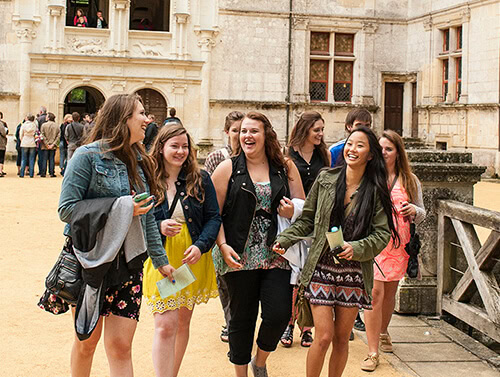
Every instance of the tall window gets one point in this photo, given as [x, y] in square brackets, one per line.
[445, 78]
[459, 38]
[451, 63]
[150, 15]
[458, 71]
[446, 40]
[331, 64]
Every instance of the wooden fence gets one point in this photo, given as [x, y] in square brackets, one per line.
[465, 267]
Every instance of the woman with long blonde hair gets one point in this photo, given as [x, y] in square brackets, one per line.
[188, 219]
[406, 196]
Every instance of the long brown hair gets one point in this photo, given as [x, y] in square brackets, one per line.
[111, 127]
[271, 143]
[300, 134]
[194, 181]
[403, 168]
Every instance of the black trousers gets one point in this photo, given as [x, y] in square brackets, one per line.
[272, 289]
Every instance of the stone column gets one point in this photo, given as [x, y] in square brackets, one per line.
[180, 41]
[464, 96]
[179, 90]
[53, 84]
[444, 175]
[206, 42]
[363, 87]
[119, 26]
[26, 33]
[300, 60]
[427, 79]
[55, 26]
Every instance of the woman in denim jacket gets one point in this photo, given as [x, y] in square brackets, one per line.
[115, 164]
[188, 219]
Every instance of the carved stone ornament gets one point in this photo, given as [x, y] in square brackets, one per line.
[206, 42]
[466, 15]
[369, 27]
[150, 49]
[300, 23]
[428, 23]
[26, 34]
[87, 46]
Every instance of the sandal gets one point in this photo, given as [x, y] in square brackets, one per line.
[224, 335]
[307, 339]
[287, 337]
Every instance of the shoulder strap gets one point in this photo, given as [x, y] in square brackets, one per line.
[393, 183]
[171, 208]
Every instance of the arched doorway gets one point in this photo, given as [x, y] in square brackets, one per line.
[83, 99]
[154, 103]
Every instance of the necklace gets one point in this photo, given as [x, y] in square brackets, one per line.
[303, 155]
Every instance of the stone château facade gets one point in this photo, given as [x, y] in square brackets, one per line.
[428, 69]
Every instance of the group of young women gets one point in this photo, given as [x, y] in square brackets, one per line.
[238, 210]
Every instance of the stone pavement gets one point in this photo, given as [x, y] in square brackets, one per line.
[430, 347]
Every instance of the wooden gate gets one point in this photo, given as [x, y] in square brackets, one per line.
[393, 108]
[456, 287]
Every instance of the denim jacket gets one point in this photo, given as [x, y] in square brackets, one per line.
[203, 219]
[93, 174]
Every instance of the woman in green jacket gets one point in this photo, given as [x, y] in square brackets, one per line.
[356, 198]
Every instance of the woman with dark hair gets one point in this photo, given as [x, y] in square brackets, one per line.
[252, 189]
[232, 129]
[355, 198]
[406, 195]
[188, 219]
[80, 19]
[114, 164]
[308, 151]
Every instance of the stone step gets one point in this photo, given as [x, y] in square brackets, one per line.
[430, 156]
[413, 143]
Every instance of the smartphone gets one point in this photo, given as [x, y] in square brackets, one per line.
[141, 197]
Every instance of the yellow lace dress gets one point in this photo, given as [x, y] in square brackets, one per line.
[200, 291]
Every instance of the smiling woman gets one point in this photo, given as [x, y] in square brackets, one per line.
[253, 187]
[187, 216]
[113, 164]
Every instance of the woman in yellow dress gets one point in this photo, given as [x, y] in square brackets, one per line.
[187, 215]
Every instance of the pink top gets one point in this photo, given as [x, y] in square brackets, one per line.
[393, 261]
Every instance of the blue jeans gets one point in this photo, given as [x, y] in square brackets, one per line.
[45, 154]
[63, 152]
[28, 155]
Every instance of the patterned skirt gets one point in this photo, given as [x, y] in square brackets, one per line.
[200, 291]
[337, 284]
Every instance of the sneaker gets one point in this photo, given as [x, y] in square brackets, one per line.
[358, 324]
[385, 343]
[224, 334]
[370, 363]
[258, 371]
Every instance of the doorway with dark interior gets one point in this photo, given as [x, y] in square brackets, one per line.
[154, 103]
[393, 107]
[83, 99]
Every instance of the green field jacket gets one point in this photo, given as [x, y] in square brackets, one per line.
[315, 219]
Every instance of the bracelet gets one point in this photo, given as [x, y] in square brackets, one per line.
[224, 243]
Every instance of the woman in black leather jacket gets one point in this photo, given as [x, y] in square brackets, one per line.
[252, 189]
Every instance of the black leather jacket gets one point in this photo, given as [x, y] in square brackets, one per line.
[241, 200]
[203, 219]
